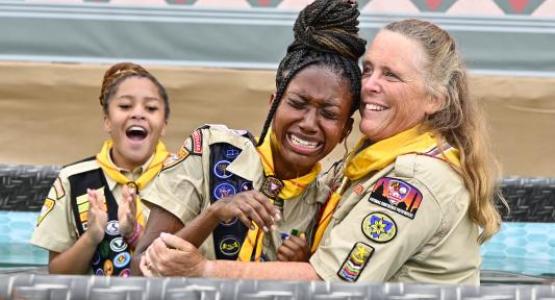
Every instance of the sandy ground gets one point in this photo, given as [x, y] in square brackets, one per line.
[50, 114]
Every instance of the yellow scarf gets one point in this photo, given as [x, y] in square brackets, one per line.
[378, 156]
[291, 189]
[103, 159]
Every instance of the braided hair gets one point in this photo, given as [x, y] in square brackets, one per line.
[326, 34]
[117, 73]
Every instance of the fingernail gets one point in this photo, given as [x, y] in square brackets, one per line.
[265, 228]
[274, 227]
[278, 216]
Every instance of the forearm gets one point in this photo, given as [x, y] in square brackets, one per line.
[264, 270]
[75, 260]
[200, 228]
[159, 221]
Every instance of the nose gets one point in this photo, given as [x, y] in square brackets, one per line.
[138, 112]
[309, 123]
[371, 84]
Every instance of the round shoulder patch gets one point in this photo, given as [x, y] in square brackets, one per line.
[379, 227]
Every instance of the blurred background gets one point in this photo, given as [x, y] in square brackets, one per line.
[218, 57]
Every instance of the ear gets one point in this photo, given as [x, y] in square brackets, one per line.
[435, 104]
[163, 132]
[272, 98]
[347, 129]
[107, 124]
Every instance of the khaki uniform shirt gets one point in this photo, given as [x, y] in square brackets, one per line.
[56, 229]
[184, 188]
[372, 240]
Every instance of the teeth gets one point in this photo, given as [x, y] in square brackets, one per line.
[303, 143]
[374, 107]
[136, 128]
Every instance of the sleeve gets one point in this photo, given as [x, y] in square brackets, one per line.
[55, 230]
[387, 227]
[179, 188]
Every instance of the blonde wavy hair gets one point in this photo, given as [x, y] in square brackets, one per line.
[460, 120]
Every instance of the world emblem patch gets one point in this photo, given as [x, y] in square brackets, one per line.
[396, 195]
[379, 227]
[355, 262]
[223, 190]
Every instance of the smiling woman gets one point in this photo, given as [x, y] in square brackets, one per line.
[92, 217]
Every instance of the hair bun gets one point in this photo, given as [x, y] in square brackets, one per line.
[117, 71]
[329, 26]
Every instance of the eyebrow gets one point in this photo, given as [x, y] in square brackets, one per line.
[130, 97]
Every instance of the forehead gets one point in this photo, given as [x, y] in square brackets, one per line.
[395, 50]
[320, 81]
[137, 85]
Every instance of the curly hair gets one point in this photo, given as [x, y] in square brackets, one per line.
[117, 73]
[326, 34]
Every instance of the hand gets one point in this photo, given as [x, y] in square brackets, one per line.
[97, 216]
[294, 248]
[248, 207]
[127, 210]
[170, 255]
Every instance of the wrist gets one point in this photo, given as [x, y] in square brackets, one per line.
[134, 236]
[91, 239]
[206, 269]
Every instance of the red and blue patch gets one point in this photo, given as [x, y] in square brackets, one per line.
[396, 195]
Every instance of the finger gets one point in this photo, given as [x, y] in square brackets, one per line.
[287, 253]
[252, 214]
[268, 205]
[174, 242]
[264, 215]
[296, 242]
[281, 257]
[144, 266]
[245, 220]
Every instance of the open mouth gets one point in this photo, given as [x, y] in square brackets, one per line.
[136, 133]
[302, 144]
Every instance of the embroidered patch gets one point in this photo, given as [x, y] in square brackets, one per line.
[118, 244]
[122, 259]
[112, 228]
[232, 153]
[59, 188]
[230, 245]
[223, 190]
[108, 267]
[355, 262]
[197, 142]
[358, 189]
[220, 169]
[396, 195]
[246, 186]
[379, 227]
[46, 209]
[125, 273]
[173, 160]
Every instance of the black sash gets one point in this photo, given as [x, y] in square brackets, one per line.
[112, 256]
[228, 237]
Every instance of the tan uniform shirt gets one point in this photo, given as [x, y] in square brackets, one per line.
[56, 229]
[376, 239]
[184, 189]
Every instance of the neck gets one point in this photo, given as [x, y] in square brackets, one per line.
[286, 172]
[122, 162]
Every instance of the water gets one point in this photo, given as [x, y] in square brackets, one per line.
[524, 248]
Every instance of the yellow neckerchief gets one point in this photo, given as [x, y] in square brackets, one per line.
[103, 159]
[379, 155]
[291, 189]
